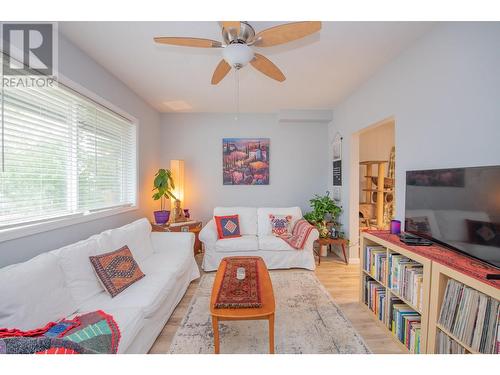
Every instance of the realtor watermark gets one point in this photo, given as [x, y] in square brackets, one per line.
[29, 54]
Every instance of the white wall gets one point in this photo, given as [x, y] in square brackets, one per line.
[298, 162]
[78, 67]
[444, 94]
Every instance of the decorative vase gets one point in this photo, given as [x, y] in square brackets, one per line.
[323, 251]
[161, 217]
[323, 230]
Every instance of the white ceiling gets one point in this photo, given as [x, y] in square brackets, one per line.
[321, 69]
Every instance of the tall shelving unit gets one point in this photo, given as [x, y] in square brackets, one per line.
[368, 239]
[376, 191]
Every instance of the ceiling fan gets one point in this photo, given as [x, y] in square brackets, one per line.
[238, 37]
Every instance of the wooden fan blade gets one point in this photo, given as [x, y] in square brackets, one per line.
[220, 71]
[286, 33]
[264, 65]
[188, 42]
[231, 25]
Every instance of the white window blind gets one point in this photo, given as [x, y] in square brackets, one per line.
[62, 154]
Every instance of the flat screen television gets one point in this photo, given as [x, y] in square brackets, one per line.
[458, 208]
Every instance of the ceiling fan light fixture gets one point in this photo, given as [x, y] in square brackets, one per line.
[237, 54]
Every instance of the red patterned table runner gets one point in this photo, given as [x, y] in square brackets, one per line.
[239, 294]
[460, 262]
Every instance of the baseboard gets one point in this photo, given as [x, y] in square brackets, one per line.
[338, 252]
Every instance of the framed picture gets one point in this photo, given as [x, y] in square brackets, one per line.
[245, 161]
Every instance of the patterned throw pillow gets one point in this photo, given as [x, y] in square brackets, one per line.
[280, 224]
[116, 270]
[228, 226]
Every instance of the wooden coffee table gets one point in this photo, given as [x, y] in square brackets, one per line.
[265, 312]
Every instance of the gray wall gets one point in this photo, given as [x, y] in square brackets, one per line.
[78, 67]
[444, 95]
[298, 163]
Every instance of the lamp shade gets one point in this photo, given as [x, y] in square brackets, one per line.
[177, 169]
[237, 54]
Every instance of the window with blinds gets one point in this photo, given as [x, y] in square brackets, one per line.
[62, 154]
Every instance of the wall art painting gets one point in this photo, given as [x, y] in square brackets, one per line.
[245, 161]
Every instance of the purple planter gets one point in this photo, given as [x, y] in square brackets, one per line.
[161, 217]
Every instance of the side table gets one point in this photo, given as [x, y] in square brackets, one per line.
[188, 226]
[329, 242]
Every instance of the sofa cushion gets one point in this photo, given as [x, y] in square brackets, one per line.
[243, 243]
[147, 294]
[271, 243]
[78, 273]
[130, 321]
[280, 224]
[247, 217]
[135, 235]
[33, 294]
[264, 225]
[227, 226]
[117, 270]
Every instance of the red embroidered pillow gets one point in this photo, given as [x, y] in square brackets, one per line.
[228, 226]
[116, 270]
[280, 224]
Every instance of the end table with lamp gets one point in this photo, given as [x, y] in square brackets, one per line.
[188, 226]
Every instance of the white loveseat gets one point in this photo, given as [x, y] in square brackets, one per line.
[256, 239]
[62, 283]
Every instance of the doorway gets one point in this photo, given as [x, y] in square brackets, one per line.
[372, 178]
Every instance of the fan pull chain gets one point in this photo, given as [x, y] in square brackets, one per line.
[237, 96]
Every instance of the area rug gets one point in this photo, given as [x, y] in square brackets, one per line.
[307, 321]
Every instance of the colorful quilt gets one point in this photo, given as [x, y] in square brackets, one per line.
[300, 233]
[91, 333]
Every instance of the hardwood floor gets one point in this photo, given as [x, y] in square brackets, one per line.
[341, 280]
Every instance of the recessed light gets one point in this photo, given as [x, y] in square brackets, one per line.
[177, 105]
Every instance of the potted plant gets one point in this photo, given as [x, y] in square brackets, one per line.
[163, 185]
[324, 215]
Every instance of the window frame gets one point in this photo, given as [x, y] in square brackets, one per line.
[30, 228]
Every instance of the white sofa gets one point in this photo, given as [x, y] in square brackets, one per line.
[62, 283]
[256, 239]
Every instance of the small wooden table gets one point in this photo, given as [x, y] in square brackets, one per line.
[265, 312]
[329, 242]
[190, 226]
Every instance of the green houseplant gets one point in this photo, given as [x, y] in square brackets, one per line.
[324, 214]
[163, 185]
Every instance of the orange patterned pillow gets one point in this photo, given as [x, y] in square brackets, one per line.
[116, 270]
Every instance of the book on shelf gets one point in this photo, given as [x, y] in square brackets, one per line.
[406, 326]
[406, 279]
[376, 262]
[375, 295]
[471, 316]
[446, 345]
